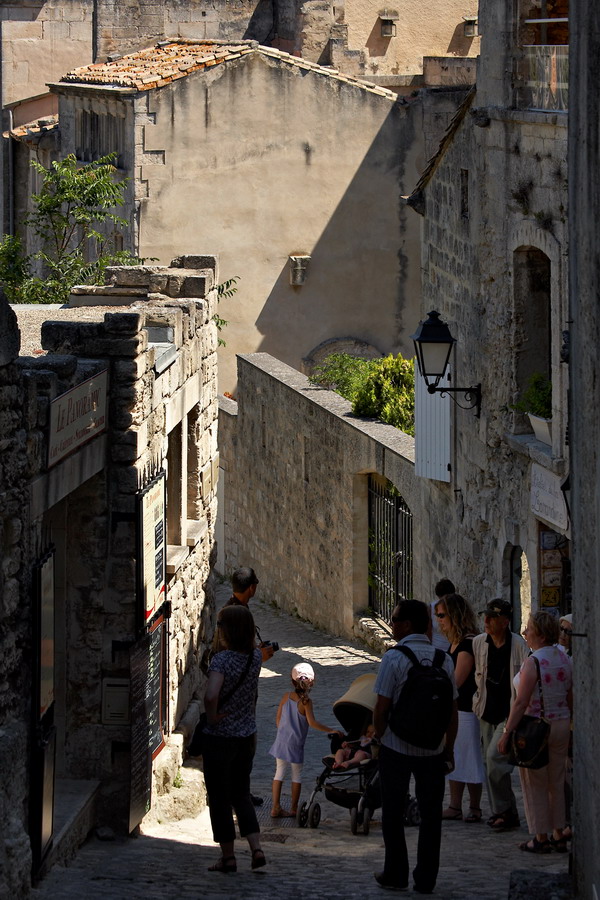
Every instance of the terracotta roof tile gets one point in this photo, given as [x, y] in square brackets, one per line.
[168, 61]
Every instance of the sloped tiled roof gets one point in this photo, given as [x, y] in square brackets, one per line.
[415, 199]
[34, 131]
[168, 61]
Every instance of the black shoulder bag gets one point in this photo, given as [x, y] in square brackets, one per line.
[195, 745]
[528, 746]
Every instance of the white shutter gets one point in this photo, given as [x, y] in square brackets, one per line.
[432, 431]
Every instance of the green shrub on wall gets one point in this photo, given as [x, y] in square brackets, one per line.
[379, 388]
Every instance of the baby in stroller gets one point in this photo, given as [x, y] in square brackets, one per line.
[353, 752]
[350, 777]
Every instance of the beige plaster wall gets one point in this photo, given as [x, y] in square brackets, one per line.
[259, 161]
[423, 29]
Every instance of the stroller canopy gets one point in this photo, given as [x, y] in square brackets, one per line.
[354, 710]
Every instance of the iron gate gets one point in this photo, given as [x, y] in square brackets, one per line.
[390, 549]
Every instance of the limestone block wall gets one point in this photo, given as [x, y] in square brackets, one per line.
[15, 638]
[584, 287]
[145, 407]
[40, 42]
[295, 465]
[86, 507]
[498, 187]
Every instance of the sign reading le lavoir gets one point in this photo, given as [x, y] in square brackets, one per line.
[77, 416]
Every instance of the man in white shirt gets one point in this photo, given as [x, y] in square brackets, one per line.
[398, 760]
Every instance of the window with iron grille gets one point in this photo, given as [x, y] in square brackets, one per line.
[390, 548]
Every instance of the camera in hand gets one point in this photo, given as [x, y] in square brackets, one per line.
[272, 644]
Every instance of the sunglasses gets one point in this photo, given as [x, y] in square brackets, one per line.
[566, 630]
[441, 615]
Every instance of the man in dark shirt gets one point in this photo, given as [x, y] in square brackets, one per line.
[498, 654]
[244, 583]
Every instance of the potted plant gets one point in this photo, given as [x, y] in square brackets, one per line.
[536, 401]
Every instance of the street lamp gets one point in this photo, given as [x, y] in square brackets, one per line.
[433, 346]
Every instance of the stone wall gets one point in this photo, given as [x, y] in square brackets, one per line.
[146, 406]
[584, 273]
[152, 330]
[296, 464]
[15, 612]
[498, 186]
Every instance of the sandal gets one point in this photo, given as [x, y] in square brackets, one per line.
[535, 846]
[281, 813]
[559, 844]
[225, 865]
[258, 859]
[454, 816]
[504, 821]
[474, 814]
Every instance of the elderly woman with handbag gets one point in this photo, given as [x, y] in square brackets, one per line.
[544, 692]
[229, 736]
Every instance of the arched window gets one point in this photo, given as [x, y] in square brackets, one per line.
[532, 334]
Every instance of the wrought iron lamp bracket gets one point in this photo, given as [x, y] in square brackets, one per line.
[472, 396]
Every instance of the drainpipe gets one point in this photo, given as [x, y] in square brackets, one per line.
[11, 176]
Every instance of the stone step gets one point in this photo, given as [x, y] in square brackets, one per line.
[74, 818]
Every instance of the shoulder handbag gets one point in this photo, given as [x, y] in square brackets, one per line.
[529, 741]
[195, 746]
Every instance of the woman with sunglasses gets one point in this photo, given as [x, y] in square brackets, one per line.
[458, 623]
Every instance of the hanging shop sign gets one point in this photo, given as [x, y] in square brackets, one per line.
[77, 416]
[152, 536]
[547, 499]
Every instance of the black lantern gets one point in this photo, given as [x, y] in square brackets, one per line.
[433, 346]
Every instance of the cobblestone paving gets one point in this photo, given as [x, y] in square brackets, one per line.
[170, 859]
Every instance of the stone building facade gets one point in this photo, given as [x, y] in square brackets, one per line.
[303, 192]
[43, 39]
[584, 425]
[108, 483]
[495, 244]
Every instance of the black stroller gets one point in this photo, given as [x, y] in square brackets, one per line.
[356, 788]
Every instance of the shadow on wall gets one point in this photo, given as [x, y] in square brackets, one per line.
[262, 26]
[459, 44]
[363, 273]
[376, 44]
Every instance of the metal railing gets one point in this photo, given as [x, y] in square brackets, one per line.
[390, 550]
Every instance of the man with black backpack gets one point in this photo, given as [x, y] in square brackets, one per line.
[416, 720]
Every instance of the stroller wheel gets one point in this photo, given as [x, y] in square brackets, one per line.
[354, 820]
[314, 815]
[302, 816]
[366, 821]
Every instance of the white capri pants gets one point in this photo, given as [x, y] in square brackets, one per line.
[282, 765]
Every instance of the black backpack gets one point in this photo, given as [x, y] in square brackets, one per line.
[422, 713]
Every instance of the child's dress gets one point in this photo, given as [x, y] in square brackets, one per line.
[291, 734]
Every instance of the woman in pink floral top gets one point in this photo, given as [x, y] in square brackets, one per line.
[543, 789]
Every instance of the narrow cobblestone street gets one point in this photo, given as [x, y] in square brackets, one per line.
[170, 859]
